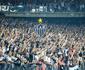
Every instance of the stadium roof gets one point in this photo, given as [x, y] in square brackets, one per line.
[14, 2]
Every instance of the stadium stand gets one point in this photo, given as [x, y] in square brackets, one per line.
[60, 47]
[55, 43]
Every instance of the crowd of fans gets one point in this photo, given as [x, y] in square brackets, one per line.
[60, 46]
[62, 6]
[56, 6]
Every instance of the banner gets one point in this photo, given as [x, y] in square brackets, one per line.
[4, 8]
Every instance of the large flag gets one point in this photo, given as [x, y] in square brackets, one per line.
[40, 29]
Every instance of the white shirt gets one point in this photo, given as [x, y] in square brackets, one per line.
[74, 68]
[1, 58]
[66, 52]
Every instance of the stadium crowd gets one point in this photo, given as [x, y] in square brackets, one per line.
[48, 5]
[60, 46]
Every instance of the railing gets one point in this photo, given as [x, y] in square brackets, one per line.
[48, 14]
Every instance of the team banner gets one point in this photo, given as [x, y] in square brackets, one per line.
[40, 29]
